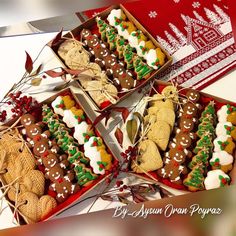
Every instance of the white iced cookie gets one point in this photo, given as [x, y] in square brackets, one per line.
[56, 106]
[133, 40]
[114, 14]
[222, 114]
[151, 58]
[217, 142]
[223, 129]
[216, 179]
[140, 51]
[94, 155]
[221, 157]
[70, 119]
[80, 130]
[123, 32]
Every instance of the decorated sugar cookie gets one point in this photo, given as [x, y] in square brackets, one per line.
[141, 68]
[195, 179]
[226, 113]
[82, 132]
[222, 160]
[120, 44]
[155, 58]
[111, 37]
[224, 143]
[62, 103]
[144, 47]
[224, 129]
[115, 17]
[125, 28]
[92, 150]
[201, 158]
[135, 38]
[173, 170]
[84, 175]
[216, 179]
[128, 56]
[73, 116]
[205, 142]
[102, 26]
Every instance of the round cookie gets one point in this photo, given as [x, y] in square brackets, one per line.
[27, 119]
[76, 57]
[193, 95]
[66, 46]
[171, 92]
[159, 101]
[96, 90]
[85, 33]
[190, 109]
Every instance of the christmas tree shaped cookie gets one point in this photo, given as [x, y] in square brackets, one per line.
[141, 68]
[204, 142]
[128, 56]
[111, 37]
[209, 110]
[120, 44]
[195, 179]
[102, 26]
[201, 158]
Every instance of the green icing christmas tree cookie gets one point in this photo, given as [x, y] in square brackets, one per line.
[111, 35]
[128, 56]
[84, 175]
[141, 68]
[195, 179]
[204, 142]
[209, 110]
[200, 158]
[102, 26]
[120, 44]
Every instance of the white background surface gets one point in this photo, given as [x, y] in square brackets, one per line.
[12, 59]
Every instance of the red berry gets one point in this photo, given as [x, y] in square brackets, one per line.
[13, 110]
[121, 189]
[125, 186]
[108, 181]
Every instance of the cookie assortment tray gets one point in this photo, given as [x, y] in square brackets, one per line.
[208, 161]
[60, 158]
[122, 89]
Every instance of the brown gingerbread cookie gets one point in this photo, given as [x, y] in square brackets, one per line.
[173, 171]
[182, 141]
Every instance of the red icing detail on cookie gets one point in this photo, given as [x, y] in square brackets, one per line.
[37, 138]
[45, 154]
[60, 180]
